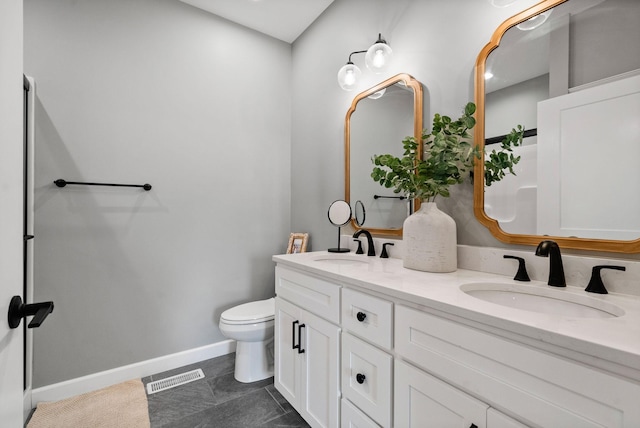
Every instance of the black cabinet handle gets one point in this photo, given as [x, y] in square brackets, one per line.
[18, 310]
[293, 335]
[361, 316]
[300, 350]
[360, 378]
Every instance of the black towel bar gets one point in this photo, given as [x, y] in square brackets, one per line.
[61, 183]
[389, 197]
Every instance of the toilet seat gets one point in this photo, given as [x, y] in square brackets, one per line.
[250, 313]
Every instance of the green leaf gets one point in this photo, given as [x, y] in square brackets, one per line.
[469, 109]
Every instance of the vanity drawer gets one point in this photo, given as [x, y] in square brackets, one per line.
[366, 378]
[368, 317]
[316, 295]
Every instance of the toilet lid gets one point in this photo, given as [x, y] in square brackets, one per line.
[252, 312]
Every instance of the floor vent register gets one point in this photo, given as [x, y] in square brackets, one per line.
[173, 381]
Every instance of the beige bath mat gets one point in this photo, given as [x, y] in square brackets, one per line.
[117, 406]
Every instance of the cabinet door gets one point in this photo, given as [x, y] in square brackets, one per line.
[320, 385]
[287, 367]
[422, 401]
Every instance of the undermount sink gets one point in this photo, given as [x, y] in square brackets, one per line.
[342, 259]
[542, 300]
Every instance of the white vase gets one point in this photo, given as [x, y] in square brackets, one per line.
[430, 241]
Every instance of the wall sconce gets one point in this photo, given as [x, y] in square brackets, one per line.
[377, 59]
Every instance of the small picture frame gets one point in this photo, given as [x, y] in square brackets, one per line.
[297, 243]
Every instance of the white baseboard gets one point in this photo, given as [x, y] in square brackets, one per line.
[69, 388]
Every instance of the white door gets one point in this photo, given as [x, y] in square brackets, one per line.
[11, 198]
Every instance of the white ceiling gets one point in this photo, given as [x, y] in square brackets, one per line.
[282, 19]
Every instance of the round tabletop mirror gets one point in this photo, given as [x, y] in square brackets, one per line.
[360, 213]
[339, 213]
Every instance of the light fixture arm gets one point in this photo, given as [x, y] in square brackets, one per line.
[353, 53]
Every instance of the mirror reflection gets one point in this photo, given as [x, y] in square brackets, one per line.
[571, 76]
[377, 122]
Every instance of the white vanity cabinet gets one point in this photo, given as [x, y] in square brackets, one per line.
[307, 346]
[389, 356]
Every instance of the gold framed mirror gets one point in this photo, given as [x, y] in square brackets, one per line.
[376, 123]
[590, 94]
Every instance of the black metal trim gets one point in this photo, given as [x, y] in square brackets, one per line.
[495, 140]
[389, 197]
[62, 183]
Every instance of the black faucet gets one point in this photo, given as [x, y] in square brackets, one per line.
[522, 274]
[384, 254]
[371, 250]
[595, 284]
[556, 271]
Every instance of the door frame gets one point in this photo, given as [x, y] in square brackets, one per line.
[11, 208]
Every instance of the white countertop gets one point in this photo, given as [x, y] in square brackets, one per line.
[613, 340]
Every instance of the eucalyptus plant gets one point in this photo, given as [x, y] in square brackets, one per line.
[448, 159]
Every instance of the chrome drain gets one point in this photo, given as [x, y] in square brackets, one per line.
[173, 381]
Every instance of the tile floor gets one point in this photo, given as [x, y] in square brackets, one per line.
[219, 401]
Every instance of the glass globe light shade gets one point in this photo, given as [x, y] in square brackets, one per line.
[348, 76]
[378, 57]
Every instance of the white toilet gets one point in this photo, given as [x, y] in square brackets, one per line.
[251, 325]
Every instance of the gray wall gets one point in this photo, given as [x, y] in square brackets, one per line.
[137, 91]
[435, 41]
